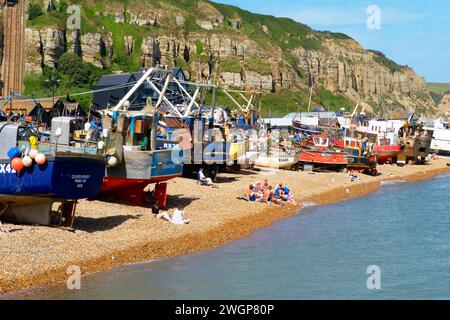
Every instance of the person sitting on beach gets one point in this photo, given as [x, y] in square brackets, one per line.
[158, 214]
[269, 196]
[203, 180]
[283, 193]
[434, 156]
[266, 184]
[351, 176]
[253, 195]
[257, 187]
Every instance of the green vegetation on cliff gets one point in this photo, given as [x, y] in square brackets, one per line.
[437, 90]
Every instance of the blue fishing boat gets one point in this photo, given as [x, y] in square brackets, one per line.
[35, 174]
[142, 146]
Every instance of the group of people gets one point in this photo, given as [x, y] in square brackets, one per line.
[265, 193]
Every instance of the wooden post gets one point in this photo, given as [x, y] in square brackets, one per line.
[68, 209]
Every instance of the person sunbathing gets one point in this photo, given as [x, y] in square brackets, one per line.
[158, 213]
[179, 217]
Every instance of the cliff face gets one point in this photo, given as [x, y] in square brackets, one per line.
[344, 66]
[233, 46]
[444, 106]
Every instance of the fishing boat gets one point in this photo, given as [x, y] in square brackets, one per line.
[36, 174]
[415, 143]
[360, 157]
[276, 154]
[440, 144]
[143, 148]
[385, 146]
[321, 156]
[276, 160]
[387, 153]
[220, 142]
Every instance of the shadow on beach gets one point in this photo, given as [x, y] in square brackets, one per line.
[179, 201]
[92, 225]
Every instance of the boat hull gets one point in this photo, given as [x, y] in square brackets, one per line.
[387, 153]
[28, 196]
[140, 168]
[441, 142]
[362, 164]
[323, 159]
[61, 177]
[275, 162]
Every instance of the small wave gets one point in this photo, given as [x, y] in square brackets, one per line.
[306, 204]
[392, 182]
[443, 176]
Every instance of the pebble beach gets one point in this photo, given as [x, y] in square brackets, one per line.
[112, 234]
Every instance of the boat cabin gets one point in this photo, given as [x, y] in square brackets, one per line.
[353, 147]
[321, 141]
[15, 135]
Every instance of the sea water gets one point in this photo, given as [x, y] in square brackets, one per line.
[392, 244]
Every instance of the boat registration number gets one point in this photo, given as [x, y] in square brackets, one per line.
[80, 180]
[6, 168]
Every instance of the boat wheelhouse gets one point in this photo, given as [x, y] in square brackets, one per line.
[415, 143]
[360, 157]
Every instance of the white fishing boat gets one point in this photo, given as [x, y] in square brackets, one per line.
[441, 137]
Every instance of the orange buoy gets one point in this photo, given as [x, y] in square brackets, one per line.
[40, 158]
[17, 164]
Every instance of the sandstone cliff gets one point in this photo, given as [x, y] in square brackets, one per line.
[233, 46]
[444, 106]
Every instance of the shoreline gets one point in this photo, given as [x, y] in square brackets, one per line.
[227, 230]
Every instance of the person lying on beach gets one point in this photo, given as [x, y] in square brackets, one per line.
[158, 213]
[179, 217]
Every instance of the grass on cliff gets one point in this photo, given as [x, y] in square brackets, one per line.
[438, 87]
[437, 90]
[380, 58]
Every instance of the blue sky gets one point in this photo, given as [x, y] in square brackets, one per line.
[414, 33]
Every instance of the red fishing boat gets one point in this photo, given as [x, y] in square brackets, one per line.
[383, 148]
[321, 156]
[387, 153]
